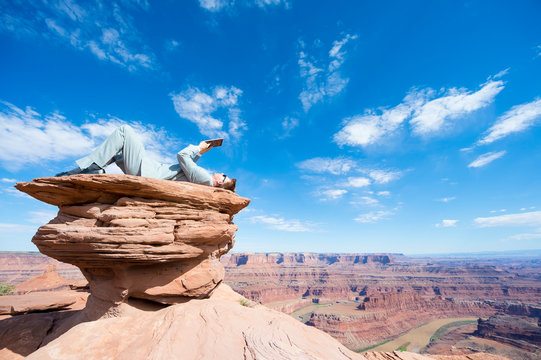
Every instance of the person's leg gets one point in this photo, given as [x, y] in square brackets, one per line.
[125, 140]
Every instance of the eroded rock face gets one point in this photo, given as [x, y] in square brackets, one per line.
[137, 237]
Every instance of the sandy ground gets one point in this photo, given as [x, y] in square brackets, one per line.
[418, 337]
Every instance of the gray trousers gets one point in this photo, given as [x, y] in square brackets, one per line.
[123, 146]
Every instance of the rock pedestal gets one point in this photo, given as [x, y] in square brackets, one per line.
[136, 237]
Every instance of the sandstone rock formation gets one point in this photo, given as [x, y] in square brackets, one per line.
[50, 280]
[313, 259]
[135, 237]
[18, 267]
[22, 304]
[198, 329]
[520, 331]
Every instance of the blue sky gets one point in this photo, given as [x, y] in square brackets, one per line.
[353, 126]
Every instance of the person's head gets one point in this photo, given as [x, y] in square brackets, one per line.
[221, 180]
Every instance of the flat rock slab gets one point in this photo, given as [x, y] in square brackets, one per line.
[38, 301]
[84, 189]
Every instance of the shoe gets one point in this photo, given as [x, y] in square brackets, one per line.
[92, 169]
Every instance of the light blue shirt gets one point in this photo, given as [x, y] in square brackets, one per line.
[185, 170]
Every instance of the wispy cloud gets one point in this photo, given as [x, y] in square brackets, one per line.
[171, 45]
[532, 218]
[486, 159]
[358, 182]
[429, 113]
[4, 227]
[30, 138]
[525, 237]
[199, 107]
[383, 193]
[16, 193]
[446, 199]
[288, 125]
[373, 216]
[447, 223]
[280, 223]
[220, 5]
[335, 166]
[517, 119]
[332, 194]
[435, 114]
[8, 180]
[105, 28]
[322, 78]
[365, 201]
[384, 176]
[41, 217]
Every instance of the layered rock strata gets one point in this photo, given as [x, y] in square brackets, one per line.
[520, 331]
[136, 237]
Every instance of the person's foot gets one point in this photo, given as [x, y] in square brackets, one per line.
[92, 169]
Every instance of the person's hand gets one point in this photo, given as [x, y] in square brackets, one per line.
[204, 147]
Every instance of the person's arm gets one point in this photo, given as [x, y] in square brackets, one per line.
[187, 159]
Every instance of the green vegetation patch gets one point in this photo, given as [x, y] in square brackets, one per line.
[403, 347]
[6, 289]
[373, 346]
[447, 327]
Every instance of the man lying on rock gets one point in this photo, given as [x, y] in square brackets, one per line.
[125, 148]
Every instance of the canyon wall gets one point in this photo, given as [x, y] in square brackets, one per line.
[366, 302]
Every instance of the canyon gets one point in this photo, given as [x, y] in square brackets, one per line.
[365, 299]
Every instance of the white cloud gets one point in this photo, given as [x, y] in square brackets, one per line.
[17, 227]
[376, 124]
[333, 194]
[365, 200]
[434, 115]
[517, 119]
[383, 193]
[105, 28]
[326, 80]
[219, 5]
[215, 5]
[486, 159]
[265, 3]
[358, 182]
[288, 124]
[525, 237]
[8, 180]
[429, 113]
[30, 138]
[495, 211]
[41, 217]
[447, 199]
[373, 216]
[16, 193]
[336, 166]
[280, 223]
[171, 45]
[384, 176]
[199, 107]
[532, 218]
[447, 223]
